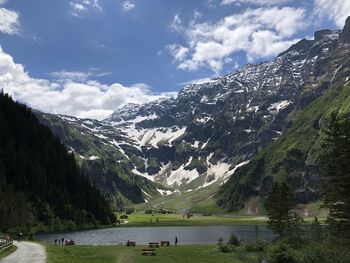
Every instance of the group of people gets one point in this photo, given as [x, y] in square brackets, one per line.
[59, 241]
[64, 242]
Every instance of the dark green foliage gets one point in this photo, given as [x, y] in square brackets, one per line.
[225, 248]
[233, 199]
[233, 240]
[324, 251]
[258, 245]
[337, 177]
[39, 181]
[316, 230]
[281, 252]
[279, 203]
[113, 179]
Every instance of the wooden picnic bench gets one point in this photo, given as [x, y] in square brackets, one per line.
[130, 243]
[148, 252]
[165, 243]
[153, 244]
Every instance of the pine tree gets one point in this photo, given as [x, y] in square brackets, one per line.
[39, 181]
[336, 183]
[279, 204]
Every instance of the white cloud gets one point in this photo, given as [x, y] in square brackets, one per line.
[128, 5]
[78, 7]
[88, 98]
[335, 10]
[197, 14]
[69, 76]
[255, 2]
[178, 52]
[260, 32]
[176, 24]
[9, 21]
[77, 76]
[210, 3]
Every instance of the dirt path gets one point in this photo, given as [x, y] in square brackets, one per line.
[27, 252]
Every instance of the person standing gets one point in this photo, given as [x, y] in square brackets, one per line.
[175, 241]
[20, 236]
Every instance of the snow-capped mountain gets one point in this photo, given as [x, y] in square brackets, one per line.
[211, 128]
[201, 137]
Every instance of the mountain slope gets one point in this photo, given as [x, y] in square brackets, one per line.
[40, 182]
[107, 165]
[213, 131]
[296, 155]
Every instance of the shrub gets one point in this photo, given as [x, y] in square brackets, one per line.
[233, 240]
[325, 252]
[281, 252]
[258, 245]
[225, 248]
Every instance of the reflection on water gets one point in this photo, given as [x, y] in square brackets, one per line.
[143, 235]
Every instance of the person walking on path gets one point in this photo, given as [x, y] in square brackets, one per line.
[19, 238]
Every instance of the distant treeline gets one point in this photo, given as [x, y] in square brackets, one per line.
[40, 183]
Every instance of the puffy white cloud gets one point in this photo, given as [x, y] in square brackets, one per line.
[260, 32]
[128, 5]
[9, 21]
[255, 2]
[335, 10]
[78, 7]
[83, 99]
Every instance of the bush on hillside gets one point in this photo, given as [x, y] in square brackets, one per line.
[281, 252]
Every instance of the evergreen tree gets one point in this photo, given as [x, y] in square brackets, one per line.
[279, 204]
[336, 183]
[40, 183]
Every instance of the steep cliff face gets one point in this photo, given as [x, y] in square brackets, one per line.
[216, 129]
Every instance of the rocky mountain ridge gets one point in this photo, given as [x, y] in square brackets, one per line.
[211, 129]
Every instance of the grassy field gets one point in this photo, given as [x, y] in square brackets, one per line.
[141, 219]
[122, 254]
[7, 252]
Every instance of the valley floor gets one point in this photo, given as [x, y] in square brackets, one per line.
[123, 254]
[141, 219]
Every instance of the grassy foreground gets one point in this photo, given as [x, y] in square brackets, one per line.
[123, 254]
[141, 219]
[7, 252]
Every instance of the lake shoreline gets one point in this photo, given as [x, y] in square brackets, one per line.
[143, 235]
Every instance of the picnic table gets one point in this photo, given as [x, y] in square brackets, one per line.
[148, 252]
[153, 244]
[165, 243]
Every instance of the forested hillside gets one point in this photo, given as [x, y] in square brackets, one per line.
[40, 183]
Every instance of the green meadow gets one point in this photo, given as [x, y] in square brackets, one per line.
[123, 254]
[141, 219]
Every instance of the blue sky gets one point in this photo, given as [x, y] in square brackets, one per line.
[140, 50]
